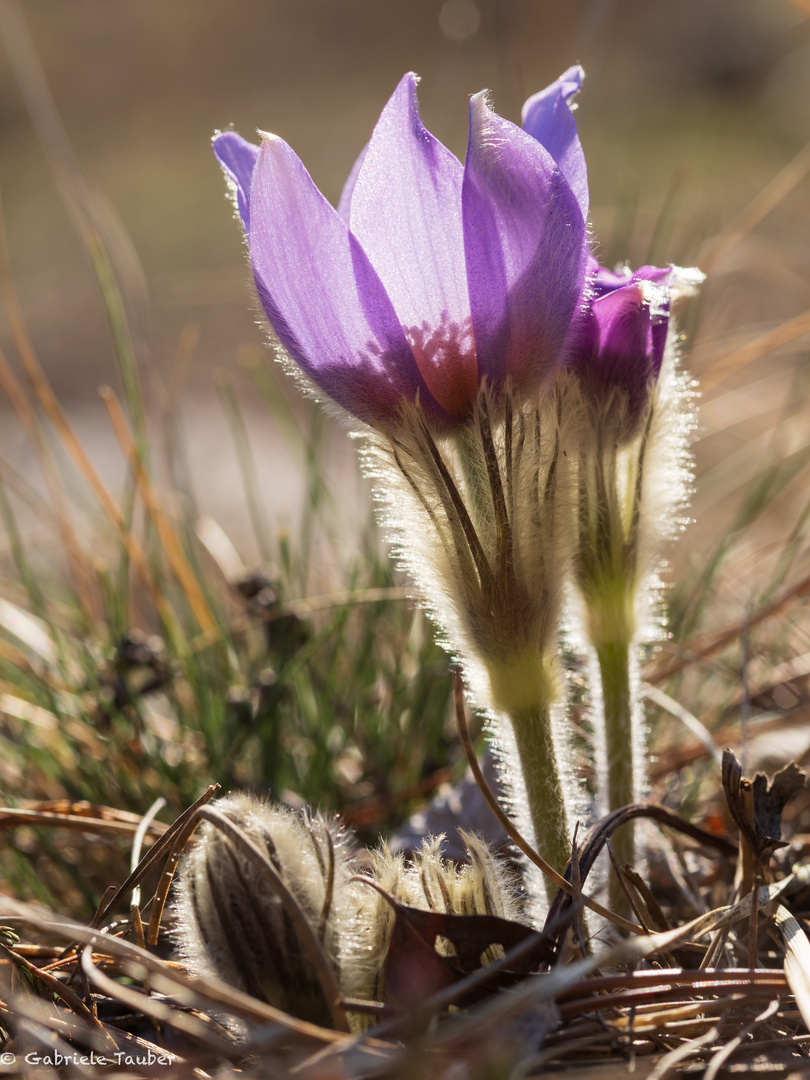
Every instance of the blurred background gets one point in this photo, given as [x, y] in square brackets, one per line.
[689, 110]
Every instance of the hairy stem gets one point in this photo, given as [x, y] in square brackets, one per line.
[541, 775]
[524, 690]
[620, 744]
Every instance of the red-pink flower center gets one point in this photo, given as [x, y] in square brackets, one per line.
[445, 356]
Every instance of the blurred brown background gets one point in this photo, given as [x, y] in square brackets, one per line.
[690, 108]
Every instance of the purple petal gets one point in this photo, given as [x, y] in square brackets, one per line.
[624, 320]
[237, 157]
[656, 302]
[548, 117]
[322, 296]
[623, 358]
[604, 281]
[526, 250]
[344, 206]
[619, 349]
[406, 213]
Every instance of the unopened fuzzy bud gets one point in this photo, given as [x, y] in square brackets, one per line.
[620, 348]
[230, 920]
[481, 886]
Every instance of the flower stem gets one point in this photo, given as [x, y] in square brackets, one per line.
[524, 689]
[541, 775]
[620, 740]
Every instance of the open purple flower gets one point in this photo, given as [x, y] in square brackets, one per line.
[618, 344]
[434, 276]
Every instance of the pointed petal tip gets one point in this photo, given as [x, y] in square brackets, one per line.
[481, 112]
[224, 140]
[237, 159]
[273, 148]
[565, 88]
[574, 75]
[406, 86]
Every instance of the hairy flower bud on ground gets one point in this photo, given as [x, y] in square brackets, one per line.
[481, 886]
[229, 921]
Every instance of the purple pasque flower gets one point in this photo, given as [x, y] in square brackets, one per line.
[432, 277]
[617, 343]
